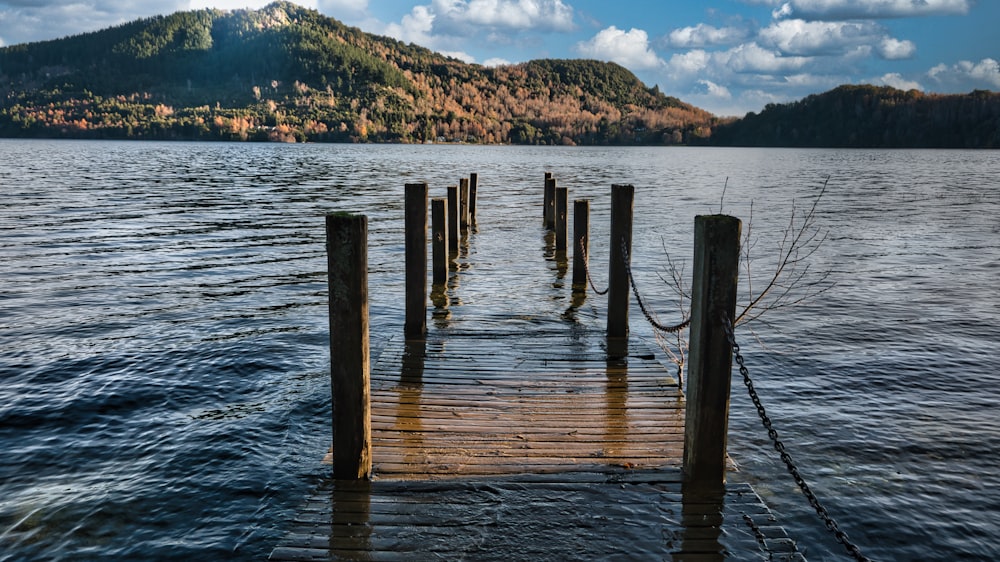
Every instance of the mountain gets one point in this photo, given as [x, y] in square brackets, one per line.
[288, 73]
[872, 117]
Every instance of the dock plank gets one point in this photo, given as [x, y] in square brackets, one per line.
[527, 445]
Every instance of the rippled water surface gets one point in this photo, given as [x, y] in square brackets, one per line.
[164, 370]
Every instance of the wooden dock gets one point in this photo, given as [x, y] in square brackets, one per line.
[527, 445]
[515, 430]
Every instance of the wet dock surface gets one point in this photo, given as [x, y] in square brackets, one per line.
[528, 444]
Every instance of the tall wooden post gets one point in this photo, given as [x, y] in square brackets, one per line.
[622, 197]
[463, 207]
[453, 231]
[347, 277]
[581, 243]
[562, 217]
[415, 200]
[545, 199]
[550, 203]
[710, 357]
[473, 191]
[439, 241]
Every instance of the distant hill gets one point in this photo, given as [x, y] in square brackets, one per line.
[872, 117]
[288, 73]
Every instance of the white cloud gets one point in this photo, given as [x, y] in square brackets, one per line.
[460, 55]
[860, 9]
[897, 81]
[810, 38]
[415, 27]
[752, 58]
[703, 35]
[628, 48]
[496, 62]
[713, 90]
[894, 49]
[463, 16]
[690, 62]
[967, 75]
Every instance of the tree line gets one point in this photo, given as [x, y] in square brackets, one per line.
[286, 73]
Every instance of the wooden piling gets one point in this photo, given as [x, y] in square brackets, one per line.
[710, 358]
[581, 243]
[622, 197]
[463, 209]
[550, 203]
[545, 198]
[347, 276]
[473, 192]
[415, 200]
[439, 241]
[562, 217]
[453, 230]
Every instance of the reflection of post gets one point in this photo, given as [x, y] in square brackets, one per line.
[439, 298]
[701, 522]
[562, 217]
[350, 529]
[710, 358]
[616, 415]
[439, 241]
[453, 231]
[416, 259]
[347, 273]
[622, 197]
[409, 419]
[581, 243]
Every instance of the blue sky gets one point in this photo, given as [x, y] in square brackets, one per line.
[726, 56]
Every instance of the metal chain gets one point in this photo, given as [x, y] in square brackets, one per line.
[586, 267]
[642, 306]
[830, 523]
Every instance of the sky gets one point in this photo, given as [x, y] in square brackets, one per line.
[726, 56]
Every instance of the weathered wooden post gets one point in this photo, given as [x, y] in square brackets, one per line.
[550, 203]
[710, 357]
[473, 191]
[347, 277]
[545, 199]
[415, 201]
[453, 231]
[439, 241]
[463, 209]
[562, 217]
[581, 243]
[622, 197]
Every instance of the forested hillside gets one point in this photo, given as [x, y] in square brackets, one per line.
[873, 117]
[287, 73]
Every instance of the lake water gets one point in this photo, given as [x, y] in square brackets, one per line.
[164, 366]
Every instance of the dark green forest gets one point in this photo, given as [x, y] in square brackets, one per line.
[286, 73]
[872, 117]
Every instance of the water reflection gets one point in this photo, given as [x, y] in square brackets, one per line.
[441, 314]
[701, 525]
[350, 525]
[409, 412]
[615, 414]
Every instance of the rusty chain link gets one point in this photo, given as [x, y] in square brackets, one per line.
[642, 306]
[830, 523]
